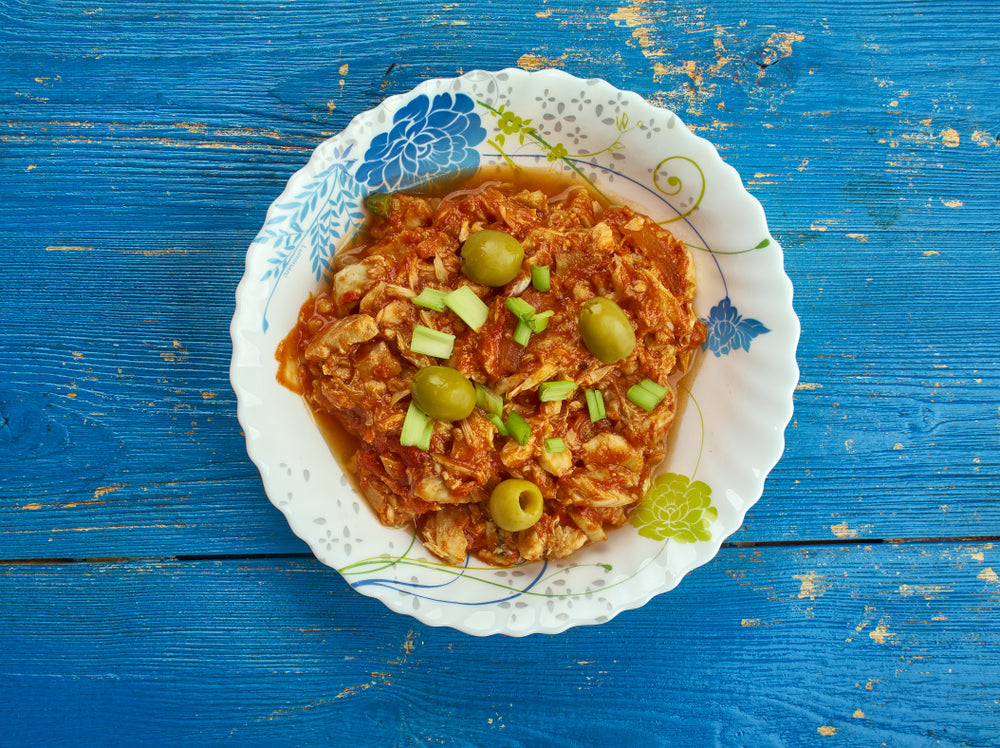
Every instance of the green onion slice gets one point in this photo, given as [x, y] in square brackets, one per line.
[540, 321]
[554, 444]
[431, 342]
[488, 400]
[647, 394]
[522, 333]
[417, 428]
[519, 307]
[540, 278]
[595, 405]
[552, 391]
[469, 307]
[655, 389]
[431, 298]
[528, 320]
[518, 428]
[498, 422]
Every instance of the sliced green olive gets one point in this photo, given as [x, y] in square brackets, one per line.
[443, 393]
[491, 258]
[605, 330]
[516, 504]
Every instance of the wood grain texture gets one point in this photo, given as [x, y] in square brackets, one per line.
[152, 594]
[776, 648]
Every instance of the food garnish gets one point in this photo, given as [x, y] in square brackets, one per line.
[443, 393]
[492, 258]
[516, 504]
[595, 405]
[606, 330]
[431, 342]
[469, 307]
[647, 394]
[431, 298]
[541, 279]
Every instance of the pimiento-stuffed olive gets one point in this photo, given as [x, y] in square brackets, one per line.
[491, 258]
[516, 504]
[443, 393]
[605, 330]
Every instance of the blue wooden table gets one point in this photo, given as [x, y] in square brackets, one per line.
[150, 593]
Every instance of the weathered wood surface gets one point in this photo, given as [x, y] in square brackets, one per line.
[147, 581]
[862, 644]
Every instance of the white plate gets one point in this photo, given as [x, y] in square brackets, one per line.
[734, 409]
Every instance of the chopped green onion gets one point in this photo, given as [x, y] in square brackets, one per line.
[469, 307]
[551, 391]
[554, 444]
[498, 422]
[522, 333]
[540, 279]
[519, 307]
[488, 400]
[431, 342]
[518, 428]
[527, 318]
[654, 389]
[540, 321]
[642, 397]
[431, 298]
[595, 405]
[379, 203]
[417, 428]
[647, 394]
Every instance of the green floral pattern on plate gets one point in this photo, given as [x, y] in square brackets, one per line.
[675, 507]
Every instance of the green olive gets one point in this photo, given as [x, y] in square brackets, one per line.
[491, 258]
[516, 504]
[443, 393]
[605, 330]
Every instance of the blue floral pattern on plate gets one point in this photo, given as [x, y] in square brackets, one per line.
[728, 331]
[429, 137]
[327, 207]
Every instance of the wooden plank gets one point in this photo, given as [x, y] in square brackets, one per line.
[780, 646]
